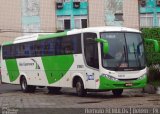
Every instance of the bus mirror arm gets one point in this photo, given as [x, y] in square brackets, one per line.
[105, 45]
[154, 42]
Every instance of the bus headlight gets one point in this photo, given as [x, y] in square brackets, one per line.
[110, 77]
[142, 77]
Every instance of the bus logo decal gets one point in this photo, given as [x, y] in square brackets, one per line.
[90, 77]
[37, 65]
[30, 64]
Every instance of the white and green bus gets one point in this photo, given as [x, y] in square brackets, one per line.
[97, 59]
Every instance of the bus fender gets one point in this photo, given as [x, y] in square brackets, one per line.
[77, 75]
[22, 75]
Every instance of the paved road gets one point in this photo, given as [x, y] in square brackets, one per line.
[11, 95]
[4, 88]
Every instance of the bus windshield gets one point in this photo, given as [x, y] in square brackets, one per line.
[126, 51]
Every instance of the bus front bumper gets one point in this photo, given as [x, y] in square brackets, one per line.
[107, 84]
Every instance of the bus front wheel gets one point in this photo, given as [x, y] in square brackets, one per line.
[80, 88]
[117, 92]
[25, 87]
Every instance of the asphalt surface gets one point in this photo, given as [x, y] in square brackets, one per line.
[4, 88]
[67, 100]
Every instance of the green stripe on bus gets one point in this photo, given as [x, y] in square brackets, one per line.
[57, 66]
[12, 69]
[7, 43]
[54, 35]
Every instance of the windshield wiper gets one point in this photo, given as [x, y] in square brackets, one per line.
[121, 60]
[136, 56]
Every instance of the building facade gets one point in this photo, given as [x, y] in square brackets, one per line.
[122, 13]
[71, 14]
[149, 13]
[31, 16]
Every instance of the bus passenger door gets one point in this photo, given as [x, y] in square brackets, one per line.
[91, 60]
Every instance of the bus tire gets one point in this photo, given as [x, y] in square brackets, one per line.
[25, 87]
[117, 92]
[81, 92]
[54, 89]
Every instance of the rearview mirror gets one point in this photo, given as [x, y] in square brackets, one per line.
[105, 45]
[154, 42]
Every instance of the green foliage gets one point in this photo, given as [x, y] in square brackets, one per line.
[153, 33]
[151, 56]
[153, 59]
[154, 76]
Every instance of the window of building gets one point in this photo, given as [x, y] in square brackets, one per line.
[158, 19]
[118, 16]
[0, 54]
[67, 24]
[66, 0]
[60, 25]
[146, 20]
[63, 23]
[83, 0]
[59, 4]
[81, 22]
[84, 23]
[78, 23]
[79, 0]
[142, 3]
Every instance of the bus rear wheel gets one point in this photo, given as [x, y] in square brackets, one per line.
[25, 87]
[81, 92]
[54, 89]
[117, 92]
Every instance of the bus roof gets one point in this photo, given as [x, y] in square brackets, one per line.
[103, 29]
[39, 36]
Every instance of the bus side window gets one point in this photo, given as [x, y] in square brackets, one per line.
[67, 45]
[7, 52]
[58, 47]
[72, 44]
[76, 42]
[91, 50]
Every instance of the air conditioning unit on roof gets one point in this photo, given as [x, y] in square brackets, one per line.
[143, 3]
[76, 3]
[59, 4]
[158, 2]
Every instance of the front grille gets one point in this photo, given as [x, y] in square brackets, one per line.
[128, 79]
